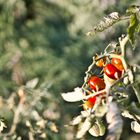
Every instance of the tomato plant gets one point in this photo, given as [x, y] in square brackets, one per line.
[109, 96]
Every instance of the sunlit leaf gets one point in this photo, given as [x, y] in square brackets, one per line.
[135, 126]
[76, 120]
[86, 113]
[84, 127]
[76, 95]
[2, 125]
[32, 83]
[126, 114]
[98, 129]
[94, 130]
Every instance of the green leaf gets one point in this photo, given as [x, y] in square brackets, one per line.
[133, 9]
[134, 22]
[138, 28]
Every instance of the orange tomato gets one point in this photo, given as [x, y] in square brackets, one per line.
[117, 63]
[101, 62]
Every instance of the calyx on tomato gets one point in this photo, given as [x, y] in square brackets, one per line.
[96, 83]
[117, 63]
[112, 72]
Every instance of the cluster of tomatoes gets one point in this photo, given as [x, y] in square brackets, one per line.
[112, 70]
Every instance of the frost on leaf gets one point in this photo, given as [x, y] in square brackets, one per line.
[74, 96]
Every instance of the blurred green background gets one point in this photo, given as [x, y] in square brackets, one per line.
[45, 39]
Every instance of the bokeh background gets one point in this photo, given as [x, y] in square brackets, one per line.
[45, 40]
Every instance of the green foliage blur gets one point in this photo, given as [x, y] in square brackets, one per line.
[46, 39]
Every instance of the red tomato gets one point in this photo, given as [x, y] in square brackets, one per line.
[89, 103]
[96, 83]
[117, 63]
[112, 72]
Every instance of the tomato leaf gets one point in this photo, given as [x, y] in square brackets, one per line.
[135, 126]
[76, 120]
[105, 23]
[84, 127]
[134, 26]
[134, 22]
[74, 96]
[32, 83]
[133, 9]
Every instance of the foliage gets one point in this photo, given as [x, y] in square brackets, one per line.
[44, 42]
[109, 98]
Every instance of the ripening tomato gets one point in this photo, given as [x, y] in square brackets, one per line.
[89, 103]
[96, 83]
[117, 63]
[101, 62]
[112, 72]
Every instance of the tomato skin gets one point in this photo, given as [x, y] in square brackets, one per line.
[89, 103]
[117, 63]
[95, 83]
[112, 72]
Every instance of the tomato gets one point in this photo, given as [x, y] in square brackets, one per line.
[112, 72]
[117, 63]
[96, 83]
[101, 62]
[89, 103]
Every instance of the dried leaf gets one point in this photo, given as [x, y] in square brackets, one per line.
[105, 23]
[135, 126]
[76, 95]
[83, 128]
